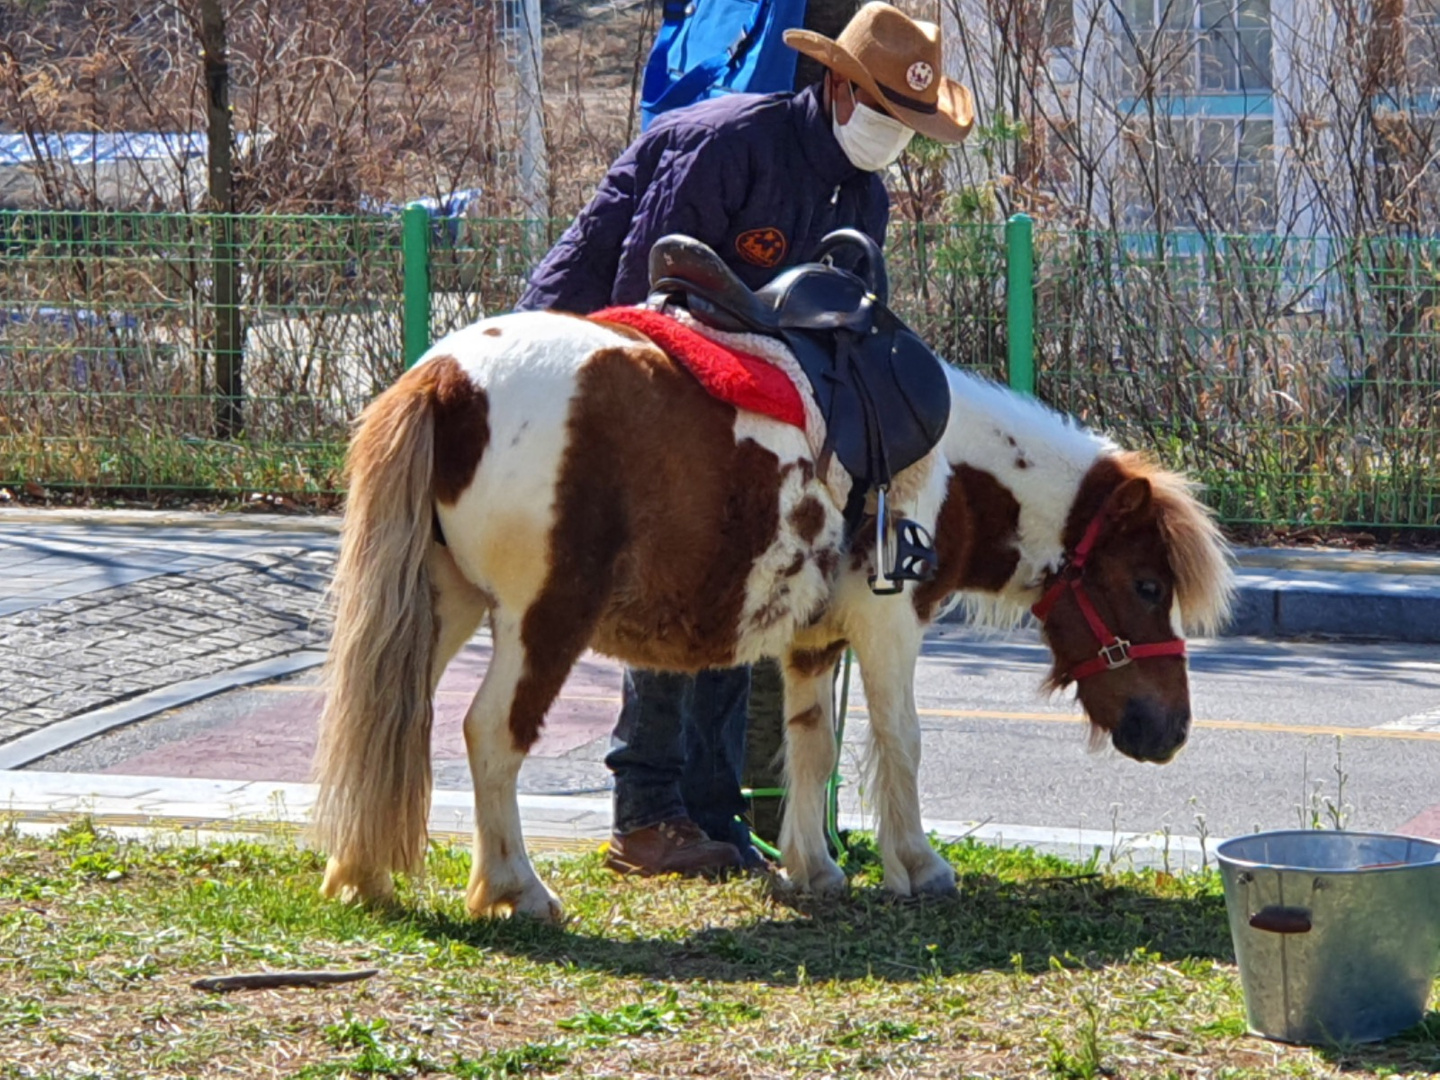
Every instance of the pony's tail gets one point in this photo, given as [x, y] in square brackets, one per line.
[373, 758]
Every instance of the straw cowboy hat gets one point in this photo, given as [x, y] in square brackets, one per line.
[897, 59]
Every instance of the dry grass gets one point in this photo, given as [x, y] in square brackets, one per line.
[1040, 970]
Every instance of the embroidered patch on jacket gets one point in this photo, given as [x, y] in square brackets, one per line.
[763, 247]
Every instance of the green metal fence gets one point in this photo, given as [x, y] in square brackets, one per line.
[1298, 379]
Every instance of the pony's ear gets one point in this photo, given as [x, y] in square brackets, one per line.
[1129, 500]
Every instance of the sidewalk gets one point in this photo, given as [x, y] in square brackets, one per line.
[107, 618]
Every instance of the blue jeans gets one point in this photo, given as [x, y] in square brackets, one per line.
[678, 750]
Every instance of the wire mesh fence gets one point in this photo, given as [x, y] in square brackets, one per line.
[1299, 380]
[948, 283]
[108, 354]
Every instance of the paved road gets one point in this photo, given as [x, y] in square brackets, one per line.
[1275, 721]
[189, 652]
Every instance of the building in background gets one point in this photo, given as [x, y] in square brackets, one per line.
[1258, 116]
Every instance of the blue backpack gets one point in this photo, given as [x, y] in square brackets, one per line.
[710, 47]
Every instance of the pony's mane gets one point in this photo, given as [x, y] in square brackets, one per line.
[989, 422]
[1198, 553]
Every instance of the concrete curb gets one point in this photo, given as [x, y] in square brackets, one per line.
[44, 801]
[1377, 606]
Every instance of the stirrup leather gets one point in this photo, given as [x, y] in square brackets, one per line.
[913, 551]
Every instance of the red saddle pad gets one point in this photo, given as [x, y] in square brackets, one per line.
[745, 381]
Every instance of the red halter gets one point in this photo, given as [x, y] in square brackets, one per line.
[1114, 652]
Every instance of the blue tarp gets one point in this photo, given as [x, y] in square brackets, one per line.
[90, 148]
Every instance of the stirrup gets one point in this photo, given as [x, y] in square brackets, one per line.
[914, 551]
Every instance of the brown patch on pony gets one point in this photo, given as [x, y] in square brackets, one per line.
[810, 718]
[1195, 549]
[1152, 529]
[827, 560]
[796, 565]
[491, 331]
[807, 518]
[974, 539]
[659, 516]
[805, 466]
[811, 662]
[462, 424]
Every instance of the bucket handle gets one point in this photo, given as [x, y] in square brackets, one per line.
[1282, 920]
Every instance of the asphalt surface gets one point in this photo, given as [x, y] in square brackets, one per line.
[145, 653]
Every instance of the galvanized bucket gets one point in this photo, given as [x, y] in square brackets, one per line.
[1336, 933]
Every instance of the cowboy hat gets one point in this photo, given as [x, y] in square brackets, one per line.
[897, 59]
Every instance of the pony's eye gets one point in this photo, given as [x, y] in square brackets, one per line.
[1149, 590]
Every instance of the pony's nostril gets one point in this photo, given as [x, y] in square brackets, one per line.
[1148, 731]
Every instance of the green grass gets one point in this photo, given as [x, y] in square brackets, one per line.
[1041, 969]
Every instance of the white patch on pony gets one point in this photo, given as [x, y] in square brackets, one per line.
[995, 430]
[527, 363]
[777, 604]
[1177, 619]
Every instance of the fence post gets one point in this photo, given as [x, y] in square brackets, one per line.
[415, 256]
[1020, 302]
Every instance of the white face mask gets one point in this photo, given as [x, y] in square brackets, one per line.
[871, 140]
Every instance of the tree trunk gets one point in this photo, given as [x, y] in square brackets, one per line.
[826, 17]
[228, 336]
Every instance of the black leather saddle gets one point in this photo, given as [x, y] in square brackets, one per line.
[882, 392]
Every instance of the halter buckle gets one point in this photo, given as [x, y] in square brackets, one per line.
[1116, 654]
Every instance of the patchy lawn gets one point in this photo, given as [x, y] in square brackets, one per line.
[1041, 969]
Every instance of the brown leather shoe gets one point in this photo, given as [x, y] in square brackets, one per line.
[671, 847]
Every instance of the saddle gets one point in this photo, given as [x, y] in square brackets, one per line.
[882, 392]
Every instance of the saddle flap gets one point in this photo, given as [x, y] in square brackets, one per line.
[819, 297]
[884, 395]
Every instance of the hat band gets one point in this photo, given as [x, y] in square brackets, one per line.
[928, 108]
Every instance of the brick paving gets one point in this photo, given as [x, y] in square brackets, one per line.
[189, 604]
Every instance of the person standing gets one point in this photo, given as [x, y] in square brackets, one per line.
[761, 178]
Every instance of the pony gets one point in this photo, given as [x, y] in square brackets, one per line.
[571, 483]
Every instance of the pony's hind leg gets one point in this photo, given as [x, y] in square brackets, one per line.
[458, 608]
[810, 755]
[503, 721]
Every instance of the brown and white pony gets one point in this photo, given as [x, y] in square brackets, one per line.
[571, 483]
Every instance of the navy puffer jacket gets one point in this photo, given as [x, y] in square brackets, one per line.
[758, 177]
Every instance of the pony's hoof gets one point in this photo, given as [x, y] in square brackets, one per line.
[825, 882]
[351, 885]
[539, 904]
[937, 879]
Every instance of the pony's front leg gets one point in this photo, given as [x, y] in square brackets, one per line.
[887, 645]
[810, 754]
[502, 881]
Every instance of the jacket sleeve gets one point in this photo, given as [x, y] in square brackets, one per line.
[578, 273]
[693, 189]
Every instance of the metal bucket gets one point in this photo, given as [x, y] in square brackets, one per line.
[1336, 933]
